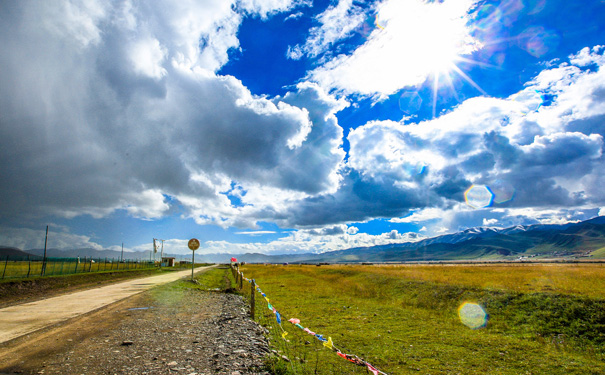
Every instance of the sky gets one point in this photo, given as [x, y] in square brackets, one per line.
[292, 126]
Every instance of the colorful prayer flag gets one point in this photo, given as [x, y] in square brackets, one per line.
[372, 369]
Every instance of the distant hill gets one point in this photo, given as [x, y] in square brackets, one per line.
[102, 254]
[89, 253]
[15, 254]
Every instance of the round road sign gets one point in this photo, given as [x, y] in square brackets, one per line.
[194, 244]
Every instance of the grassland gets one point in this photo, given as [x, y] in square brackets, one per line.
[24, 269]
[543, 319]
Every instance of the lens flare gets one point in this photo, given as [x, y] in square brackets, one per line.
[472, 315]
[410, 102]
[531, 100]
[414, 169]
[538, 41]
[478, 196]
[502, 190]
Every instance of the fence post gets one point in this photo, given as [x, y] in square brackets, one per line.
[29, 266]
[241, 281]
[252, 302]
[5, 264]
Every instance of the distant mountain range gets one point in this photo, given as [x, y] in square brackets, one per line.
[567, 241]
[15, 254]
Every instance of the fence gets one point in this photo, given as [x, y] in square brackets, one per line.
[280, 335]
[33, 267]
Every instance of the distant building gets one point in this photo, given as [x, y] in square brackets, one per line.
[168, 261]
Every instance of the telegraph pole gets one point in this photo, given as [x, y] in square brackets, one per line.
[44, 260]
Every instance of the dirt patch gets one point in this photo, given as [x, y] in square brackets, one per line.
[169, 329]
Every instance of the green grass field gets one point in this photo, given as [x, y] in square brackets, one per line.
[543, 319]
[20, 269]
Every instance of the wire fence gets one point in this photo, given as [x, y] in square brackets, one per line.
[299, 350]
[19, 267]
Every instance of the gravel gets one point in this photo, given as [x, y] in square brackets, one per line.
[170, 331]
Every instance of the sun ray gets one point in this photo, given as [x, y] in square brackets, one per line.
[450, 84]
[435, 90]
[478, 63]
[468, 79]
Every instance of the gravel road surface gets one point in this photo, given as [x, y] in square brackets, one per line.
[18, 320]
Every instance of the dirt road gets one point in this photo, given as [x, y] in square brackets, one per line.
[19, 320]
[175, 328]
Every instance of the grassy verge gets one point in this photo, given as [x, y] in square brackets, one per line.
[407, 321]
[211, 280]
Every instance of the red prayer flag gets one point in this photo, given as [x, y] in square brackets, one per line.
[234, 260]
[372, 369]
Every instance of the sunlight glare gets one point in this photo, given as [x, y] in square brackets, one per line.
[472, 315]
[478, 196]
[410, 42]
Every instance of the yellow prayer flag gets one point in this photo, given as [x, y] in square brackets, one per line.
[328, 344]
[283, 335]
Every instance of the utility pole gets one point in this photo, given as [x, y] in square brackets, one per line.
[122, 256]
[44, 260]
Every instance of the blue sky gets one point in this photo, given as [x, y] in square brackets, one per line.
[281, 126]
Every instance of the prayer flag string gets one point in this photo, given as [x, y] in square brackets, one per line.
[326, 342]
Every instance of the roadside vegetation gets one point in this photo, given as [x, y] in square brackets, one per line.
[542, 319]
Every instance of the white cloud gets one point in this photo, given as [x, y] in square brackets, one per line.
[26, 239]
[147, 57]
[264, 8]
[256, 232]
[489, 222]
[530, 156]
[310, 241]
[148, 204]
[588, 56]
[137, 113]
[73, 20]
[336, 23]
[498, 143]
[415, 39]
[420, 216]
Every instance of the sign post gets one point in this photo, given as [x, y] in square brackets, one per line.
[193, 244]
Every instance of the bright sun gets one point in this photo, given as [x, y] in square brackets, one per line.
[432, 37]
[414, 40]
